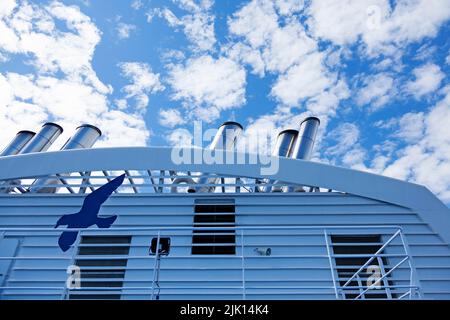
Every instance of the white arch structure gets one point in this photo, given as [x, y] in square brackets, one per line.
[415, 197]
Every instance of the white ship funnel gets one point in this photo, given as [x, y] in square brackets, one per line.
[40, 142]
[43, 139]
[225, 139]
[85, 137]
[285, 142]
[17, 144]
[304, 143]
[283, 148]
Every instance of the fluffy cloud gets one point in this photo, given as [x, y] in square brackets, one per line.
[411, 127]
[30, 30]
[381, 27]
[171, 118]
[137, 4]
[377, 91]
[289, 7]
[345, 147]
[208, 85]
[342, 21]
[269, 39]
[198, 24]
[419, 148]
[59, 41]
[143, 82]
[427, 79]
[307, 79]
[124, 30]
[263, 42]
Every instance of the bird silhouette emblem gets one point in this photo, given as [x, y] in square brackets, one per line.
[88, 215]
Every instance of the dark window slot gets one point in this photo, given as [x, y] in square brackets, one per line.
[110, 278]
[212, 237]
[222, 208]
[371, 244]
[95, 296]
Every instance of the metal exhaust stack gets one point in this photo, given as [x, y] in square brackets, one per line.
[39, 142]
[43, 139]
[18, 143]
[225, 139]
[283, 148]
[304, 144]
[84, 138]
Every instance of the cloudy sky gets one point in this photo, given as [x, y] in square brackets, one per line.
[376, 72]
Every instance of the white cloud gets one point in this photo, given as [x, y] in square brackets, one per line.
[137, 4]
[381, 28]
[341, 21]
[198, 24]
[6, 7]
[271, 42]
[426, 158]
[345, 146]
[411, 127]
[377, 91]
[346, 135]
[171, 118]
[256, 21]
[427, 79]
[144, 82]
[179, 138]
[265, 44]
[302, 81]
[425, 52]
[447, 60]
[64, 87]
[124, 30]
[310, 79]
[289, 7]
[31, 31]
[209, 85]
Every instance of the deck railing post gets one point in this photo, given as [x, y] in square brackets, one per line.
[65, 294]
[415, 286]
[155, 267]
[243, 264]
[331, 263]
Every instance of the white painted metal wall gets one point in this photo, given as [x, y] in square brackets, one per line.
[299, 258]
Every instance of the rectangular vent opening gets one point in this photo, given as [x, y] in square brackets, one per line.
[214, 241]
[101, 273]
[358, 249]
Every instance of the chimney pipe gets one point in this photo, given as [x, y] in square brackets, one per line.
[225, 139]
[304, 144]
[84, 138]
[40, 142]
[43, 139]
[283, 148]
[17, 144]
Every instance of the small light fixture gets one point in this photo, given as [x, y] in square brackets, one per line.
[263, 251]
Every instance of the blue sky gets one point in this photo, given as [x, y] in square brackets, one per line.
[375, 72]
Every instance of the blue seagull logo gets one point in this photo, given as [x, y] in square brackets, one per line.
[88, 215]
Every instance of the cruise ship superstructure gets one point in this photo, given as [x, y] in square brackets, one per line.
[211, 231]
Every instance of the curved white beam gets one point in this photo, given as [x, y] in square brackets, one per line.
[415, 197]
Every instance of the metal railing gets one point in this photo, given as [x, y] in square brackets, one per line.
[152, 181]
[302, 264]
